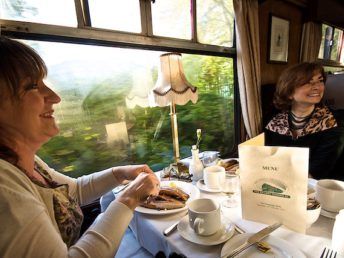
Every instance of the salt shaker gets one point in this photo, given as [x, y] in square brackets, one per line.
[196, 165]
[337, 233]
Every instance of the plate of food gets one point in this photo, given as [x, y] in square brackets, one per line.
[173, 197]
[231, 165]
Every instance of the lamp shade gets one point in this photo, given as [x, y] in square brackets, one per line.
[139, 94]
[172, 86]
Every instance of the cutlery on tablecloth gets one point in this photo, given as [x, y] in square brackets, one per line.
[328, 253]
[252, 240]
[171, 228]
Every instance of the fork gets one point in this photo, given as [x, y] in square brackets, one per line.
[328, 253]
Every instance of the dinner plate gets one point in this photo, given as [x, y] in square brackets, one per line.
[279, 248]
[225, 233]
[188, 188]
[328, 214]
[201, 185]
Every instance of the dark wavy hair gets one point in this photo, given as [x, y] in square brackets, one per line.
[292, 78]
[17, 61]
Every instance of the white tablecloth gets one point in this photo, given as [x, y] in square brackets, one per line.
[148, 230]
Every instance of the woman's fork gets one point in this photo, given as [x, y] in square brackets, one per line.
[328, 253]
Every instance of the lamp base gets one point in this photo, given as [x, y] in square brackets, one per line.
[176, 171]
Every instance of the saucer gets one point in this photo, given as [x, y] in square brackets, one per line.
[225, 233]
[328, 214]
[201, 185]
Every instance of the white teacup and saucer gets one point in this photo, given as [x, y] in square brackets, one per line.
[330, 194]
[204, 224]
[202, 186]
[213, 177]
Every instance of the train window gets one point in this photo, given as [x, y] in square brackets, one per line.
[99, 72]
[40, 11]
[102, 126]
[108, 14]
[332, 44]
[212, 22]
[172, 19]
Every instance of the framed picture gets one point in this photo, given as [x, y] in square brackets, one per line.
[279, 39]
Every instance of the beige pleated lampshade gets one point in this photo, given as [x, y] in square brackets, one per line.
[172, 84]
[139, 93]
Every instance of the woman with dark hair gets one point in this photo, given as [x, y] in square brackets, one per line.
[305, 122]
[39, 207]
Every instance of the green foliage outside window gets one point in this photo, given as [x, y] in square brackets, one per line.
[82, 146]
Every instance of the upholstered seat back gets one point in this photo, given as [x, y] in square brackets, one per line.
[334, 91]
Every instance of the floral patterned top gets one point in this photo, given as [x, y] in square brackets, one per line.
[68, 214]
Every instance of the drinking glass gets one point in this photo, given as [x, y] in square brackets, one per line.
[231, 187]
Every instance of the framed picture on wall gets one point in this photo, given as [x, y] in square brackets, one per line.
[279, 39]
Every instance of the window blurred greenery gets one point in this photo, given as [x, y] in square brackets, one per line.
[95, 97]
[94, 81]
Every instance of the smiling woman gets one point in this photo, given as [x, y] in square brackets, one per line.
[38, 199]
[306, 122]
[26, 106]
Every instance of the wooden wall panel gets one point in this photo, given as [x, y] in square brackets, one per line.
[295, 14]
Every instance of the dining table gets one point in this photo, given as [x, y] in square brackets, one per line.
[148, 229]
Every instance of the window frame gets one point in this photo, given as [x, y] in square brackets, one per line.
[329, 62]
[85, 34]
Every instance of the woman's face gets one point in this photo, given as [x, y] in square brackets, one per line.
[310, 93]
[30, 119]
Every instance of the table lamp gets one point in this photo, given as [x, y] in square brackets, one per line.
[173, 89]
[139, 94]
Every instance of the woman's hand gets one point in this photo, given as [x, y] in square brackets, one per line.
[123, 173]
[143, 186]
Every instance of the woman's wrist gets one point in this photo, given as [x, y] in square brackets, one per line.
[130, 202]
[116, 174]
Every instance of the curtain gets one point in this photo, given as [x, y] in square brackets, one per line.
[311, 41]
[248, 64]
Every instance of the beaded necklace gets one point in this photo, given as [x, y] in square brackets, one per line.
[298, 122]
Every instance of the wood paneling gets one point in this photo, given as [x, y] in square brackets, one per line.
[295, 14]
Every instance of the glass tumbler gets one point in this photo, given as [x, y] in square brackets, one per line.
[231, 187]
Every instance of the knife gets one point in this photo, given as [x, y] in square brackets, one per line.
[171, 228]
[121, 187]
[252, 240]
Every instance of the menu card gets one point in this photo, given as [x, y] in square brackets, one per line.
[274, 183]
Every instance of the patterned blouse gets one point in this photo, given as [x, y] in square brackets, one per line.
[321, 119]
[68, 214]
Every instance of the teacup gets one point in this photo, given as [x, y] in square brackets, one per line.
[204, 216]
[330, 194]
[214, 176]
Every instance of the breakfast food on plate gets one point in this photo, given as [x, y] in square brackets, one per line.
[230, 165]
[312, 204]
[178, 171]
[169, 198]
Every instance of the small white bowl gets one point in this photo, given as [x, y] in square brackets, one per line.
[312, 216]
